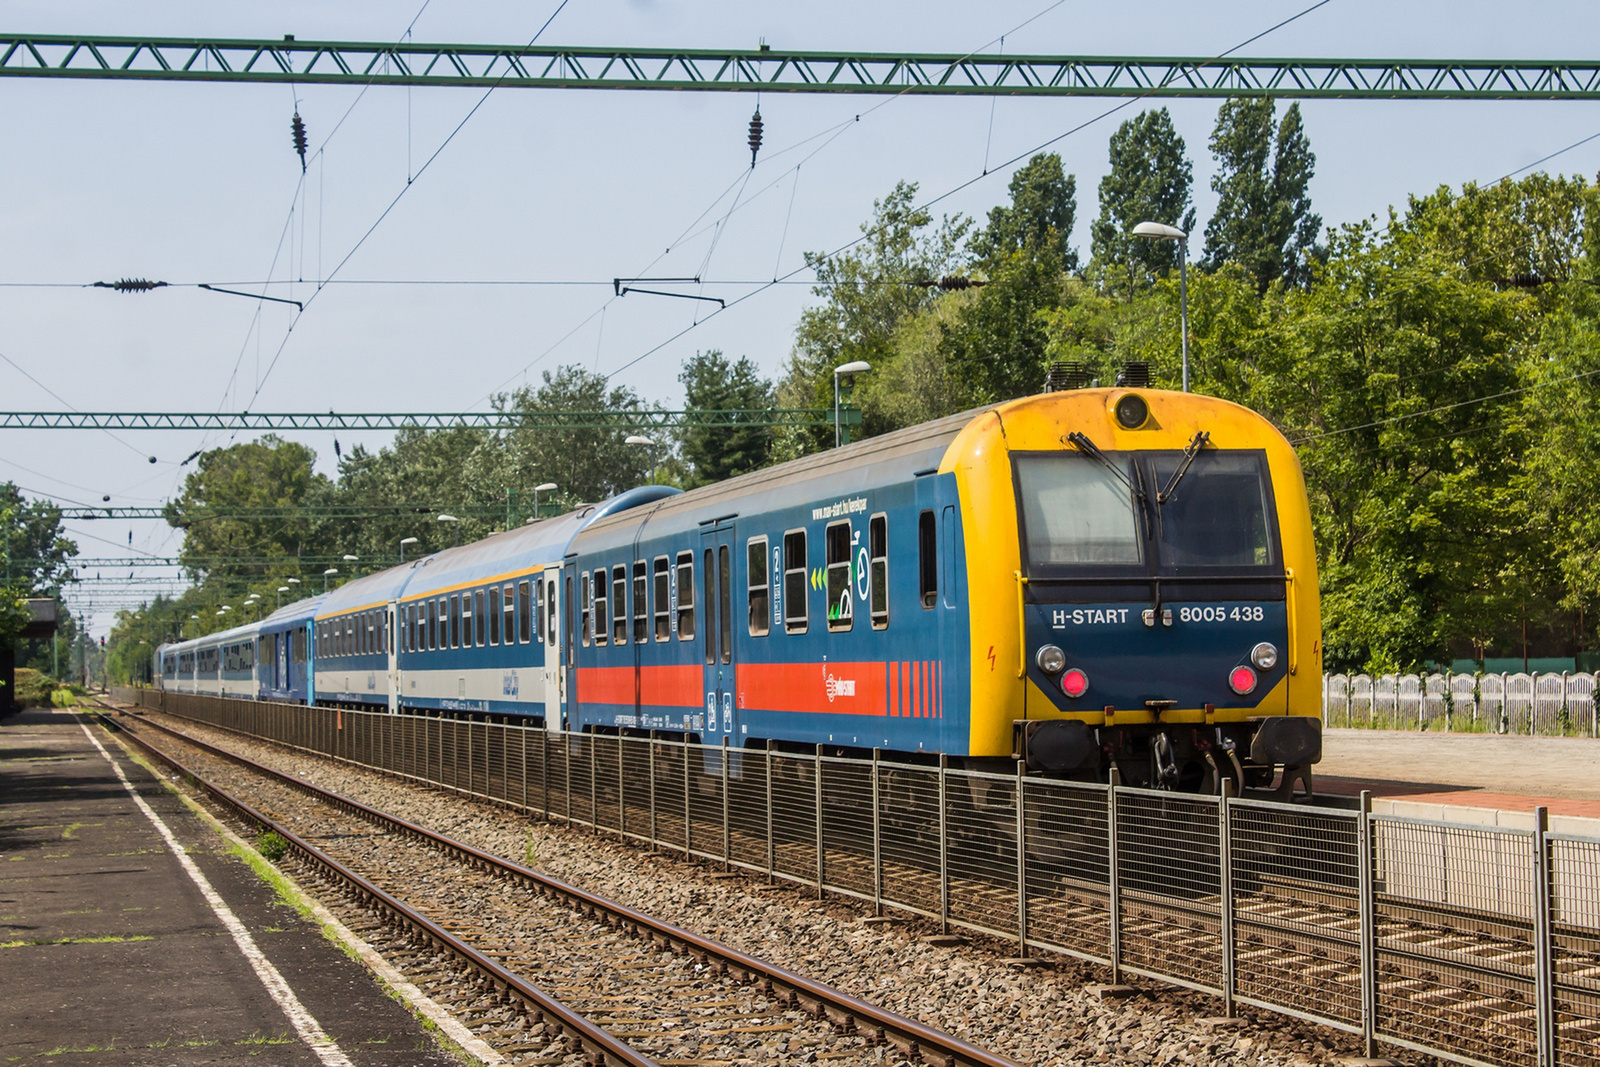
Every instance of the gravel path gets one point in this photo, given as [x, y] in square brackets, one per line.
[1043, 1014]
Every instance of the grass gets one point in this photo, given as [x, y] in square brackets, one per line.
[272, 846]
[104, 939]
[258, 1038]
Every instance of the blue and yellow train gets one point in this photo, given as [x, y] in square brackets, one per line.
[1086, 580]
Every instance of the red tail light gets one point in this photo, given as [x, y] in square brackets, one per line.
[1242, 680]
[1074, 683]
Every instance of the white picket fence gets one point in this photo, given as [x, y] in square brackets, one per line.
[1552, 704]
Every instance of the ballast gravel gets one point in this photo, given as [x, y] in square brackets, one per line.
[1041, 1014]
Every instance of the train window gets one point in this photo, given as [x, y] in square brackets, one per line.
[711, 628]
[641, 605]
[453, 609]
[619, 605]
[550, 614]
[685, 596]
[795, 616]
[878, 565]
[433, 625]
[478, 636]
[508, 616]
[601, 618]
[524, 613]
[588, 608]
[758, 586]
[494, 614]
[1076, 511]
[297, 647]
[661, 580]
[927, 560]
[725, 601]
[841, 615]
[408, 623]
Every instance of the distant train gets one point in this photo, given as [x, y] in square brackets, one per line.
[1084, 579]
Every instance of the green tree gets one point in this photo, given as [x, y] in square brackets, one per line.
[1038, 221]
[588, 464]
[37, 551]
[867, 293]
[712, 383]
[1149, 180]
[1263, 220]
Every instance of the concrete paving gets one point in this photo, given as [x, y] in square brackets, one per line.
[1561, 772]
[109, 952]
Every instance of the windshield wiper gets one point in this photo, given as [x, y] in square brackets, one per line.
[1189, 453]
[1089, 448]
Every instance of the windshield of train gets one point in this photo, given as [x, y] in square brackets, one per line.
[1077, 510]
[1082, 512]
[1216, 513]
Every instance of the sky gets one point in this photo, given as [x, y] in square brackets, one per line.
[200, 183]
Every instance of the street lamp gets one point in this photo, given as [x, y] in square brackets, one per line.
[645, 442]
[848, 368]
[1161, 232]
[325, 575]
[543, 487]
[282, 589]
[404, 541]
[454, 522]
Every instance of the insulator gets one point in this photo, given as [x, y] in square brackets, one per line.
[951, 282]
[152, 459]
[298, 127]
[755, 135]
[131, 285]
[337, 453]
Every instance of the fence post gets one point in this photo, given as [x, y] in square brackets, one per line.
[1225, 885]
[821, 868]
[654, 837]
[523, 733]
[1113, 893]
[1544, 967]
[877, 837]
[727, 831]
[1022, 863]
[622, 790]
[544, 770]
[1366, 925]
[771, 846]
[594, 785]
[944, 846]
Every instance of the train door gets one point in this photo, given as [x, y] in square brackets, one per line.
[555, 682]
[568, 646]
[393, 613]
[311, 662]
[716, 639]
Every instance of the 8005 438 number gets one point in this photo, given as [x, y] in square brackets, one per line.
[1223, 613]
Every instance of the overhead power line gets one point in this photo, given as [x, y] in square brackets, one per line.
[769, 70]
[482, 420]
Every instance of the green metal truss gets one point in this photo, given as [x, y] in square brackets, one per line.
[312, 512]
[490, 420]
[769, 70]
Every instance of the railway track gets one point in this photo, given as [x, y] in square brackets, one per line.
[541, 970]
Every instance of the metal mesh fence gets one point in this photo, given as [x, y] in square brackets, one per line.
[1472, 943]
[1169, 884]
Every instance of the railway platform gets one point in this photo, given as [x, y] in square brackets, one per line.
[131, 934]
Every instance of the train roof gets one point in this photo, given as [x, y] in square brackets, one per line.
[503, 555]
[301, 609]
[824, 476]
[221, 637]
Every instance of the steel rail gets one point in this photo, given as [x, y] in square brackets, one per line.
[541, 1005]
[364, 63]
[907, 1034]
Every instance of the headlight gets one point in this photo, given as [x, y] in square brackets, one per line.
[1132, 411]
[1264, 655]
[1050, 659]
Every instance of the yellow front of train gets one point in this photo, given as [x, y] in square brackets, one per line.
[1142, 590]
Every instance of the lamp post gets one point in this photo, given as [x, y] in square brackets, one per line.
[847, 368]
[644, 442]
[404, 541]
[325, 575]
[543, 487]
[456, 523]
[1161, 232]
[282, 589]
[351, 559]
